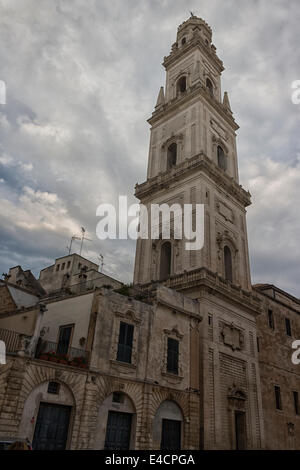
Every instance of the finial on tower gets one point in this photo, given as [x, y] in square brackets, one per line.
[226, 103]
[160, 99]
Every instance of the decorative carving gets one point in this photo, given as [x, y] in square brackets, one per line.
[232, 336]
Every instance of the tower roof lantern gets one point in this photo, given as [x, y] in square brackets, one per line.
[192, 23]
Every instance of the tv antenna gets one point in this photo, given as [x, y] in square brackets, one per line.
[101, 259]
[72, 239]
[83, 237]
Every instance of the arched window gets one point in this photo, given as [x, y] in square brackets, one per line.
[222, 162]
[228, 264]
[165, 261]
[181, 85]
[183, 41]
[172, 155]
[210, 87]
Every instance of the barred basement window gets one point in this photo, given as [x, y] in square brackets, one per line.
[125, 342]
[278, 398]
[288, 327]
[53, 387]
[118, 397]
[172, 356]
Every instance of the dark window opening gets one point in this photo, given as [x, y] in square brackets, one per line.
[69, 264]
[172, 155]
[209, 319]
[228, 264]
[271, 319]
[125, 342]
[63, 266]
[172, 357]
[64, 339]
[278, 398]
[57, 267]
[181, 85]
[53, 387]
[257, 342]
[118, 397]
[222, 160]
[165, 261]
[296, 402]
[288, 327]
[210, 87]
[183, 41]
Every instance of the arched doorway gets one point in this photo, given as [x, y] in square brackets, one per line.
[116, 423]
[165, 261]
[168, 427]
[47, 416]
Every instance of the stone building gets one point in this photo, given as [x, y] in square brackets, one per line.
[192, 356]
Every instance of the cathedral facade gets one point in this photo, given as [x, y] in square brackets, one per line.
[192, 356]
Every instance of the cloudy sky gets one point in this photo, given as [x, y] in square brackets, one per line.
[82, 77]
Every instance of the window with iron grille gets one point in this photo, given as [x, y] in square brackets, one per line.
[172, 356]
[278, 398]
[125, 342]
[53, 387]
[288, 327]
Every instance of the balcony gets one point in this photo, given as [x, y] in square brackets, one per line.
[45, 350]
[56, 352]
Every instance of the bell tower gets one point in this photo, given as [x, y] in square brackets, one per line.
[193, 160]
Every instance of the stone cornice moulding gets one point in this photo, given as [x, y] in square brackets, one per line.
[198, 162]
[172, 106]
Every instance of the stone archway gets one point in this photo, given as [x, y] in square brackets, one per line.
[168, 429]
[49, 410]
[116, 423]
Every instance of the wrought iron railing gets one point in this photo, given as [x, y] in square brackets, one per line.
[49, 350]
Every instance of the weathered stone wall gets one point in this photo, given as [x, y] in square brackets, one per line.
[282, 427]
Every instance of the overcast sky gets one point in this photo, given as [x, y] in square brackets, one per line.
[82, 77]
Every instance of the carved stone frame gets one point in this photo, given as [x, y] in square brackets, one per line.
[131, 318]
[175, 334]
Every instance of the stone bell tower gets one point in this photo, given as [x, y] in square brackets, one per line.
[193, 160]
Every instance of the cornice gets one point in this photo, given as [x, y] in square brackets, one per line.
[197, 41]
[212, 284]
[192, 92]
[199, 162]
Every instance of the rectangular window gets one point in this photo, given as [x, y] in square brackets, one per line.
[257, 342]
[172, 357]
[278, 398]
[57, 267]
[271, 319]
[64, 339]
[68, 264]
[53, 387]
[125, 342]
[63, 266]
[288, 327]
[209, 320]
[296, 402]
